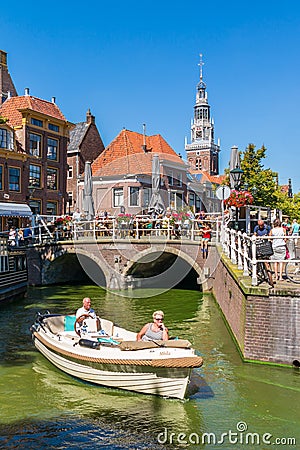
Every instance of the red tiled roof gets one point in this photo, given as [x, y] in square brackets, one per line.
[216, 179]
[12, 106]
[125, 155]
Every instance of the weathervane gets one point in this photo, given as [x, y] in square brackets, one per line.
[201, 64]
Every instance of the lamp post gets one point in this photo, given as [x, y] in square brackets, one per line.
[236, 175]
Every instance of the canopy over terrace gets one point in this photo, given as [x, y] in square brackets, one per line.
[14, 214]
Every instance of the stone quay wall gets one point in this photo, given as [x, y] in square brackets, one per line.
[264, 322]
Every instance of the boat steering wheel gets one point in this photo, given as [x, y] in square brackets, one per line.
[80, 319]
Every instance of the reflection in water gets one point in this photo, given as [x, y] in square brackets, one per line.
[45, 408]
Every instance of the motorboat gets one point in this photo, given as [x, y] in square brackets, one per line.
[100, 352]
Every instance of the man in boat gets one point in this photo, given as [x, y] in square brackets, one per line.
[85, 310]
[154, 331]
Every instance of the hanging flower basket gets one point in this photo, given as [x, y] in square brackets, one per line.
[123, 218]
[64, 220]
[239, 199]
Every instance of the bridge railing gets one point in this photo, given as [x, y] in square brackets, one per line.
[51, 228]
[241, 249]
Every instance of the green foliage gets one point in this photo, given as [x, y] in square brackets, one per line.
[289, 206]
[263, 181]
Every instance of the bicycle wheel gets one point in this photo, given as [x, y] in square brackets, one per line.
[269, 274]
[264, 273]
[292, 271]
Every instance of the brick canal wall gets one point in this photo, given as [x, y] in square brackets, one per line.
[265, 322]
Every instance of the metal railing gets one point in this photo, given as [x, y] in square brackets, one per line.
[241, 249]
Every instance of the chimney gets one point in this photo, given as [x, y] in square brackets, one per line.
[26, 91]
[53, 100]
[89, 117]
[8, 94]
[144, 146]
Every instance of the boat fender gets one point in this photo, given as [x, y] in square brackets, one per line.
[89, 344]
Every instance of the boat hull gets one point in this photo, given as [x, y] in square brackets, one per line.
[163, 381]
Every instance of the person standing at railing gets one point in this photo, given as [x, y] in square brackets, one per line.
[295, 230]
[206, 237]
[261, 229]
[76, 217]
[279, 248]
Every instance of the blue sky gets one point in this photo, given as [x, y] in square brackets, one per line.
[135, 62]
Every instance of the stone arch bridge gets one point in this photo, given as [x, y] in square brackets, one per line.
[122, 263]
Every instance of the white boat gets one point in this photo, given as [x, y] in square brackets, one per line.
[111, 356]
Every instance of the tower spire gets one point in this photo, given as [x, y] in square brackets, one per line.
[201, 64]
[202, 152]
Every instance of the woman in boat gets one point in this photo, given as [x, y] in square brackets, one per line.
[155, 330]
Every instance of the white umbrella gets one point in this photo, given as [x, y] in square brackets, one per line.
[156, 202]
[88, 202]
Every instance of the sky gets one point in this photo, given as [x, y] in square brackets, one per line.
[134, 62]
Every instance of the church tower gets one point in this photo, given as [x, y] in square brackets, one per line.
[202, 152]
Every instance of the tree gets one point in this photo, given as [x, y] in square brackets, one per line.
[263, 181]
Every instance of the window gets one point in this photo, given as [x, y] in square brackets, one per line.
[178, 180]
[1, 178]
[14, 178]
[52, 149]
[53, 127]
[6, 139]
[170, 178]
[34, 176]
[146, 196]
[52, 208]
[36, 122]
[35, 206]
[198, 164]
[70, 199]
[191, 199]
[52, 179]
[118, 197]
[134, 196]
[3, 264]
[70, 172]
[34, 144]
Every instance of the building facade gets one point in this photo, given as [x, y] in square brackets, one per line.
[122, 175]
[35, 162]
[85, 145]
[202, 152]
[7, 87]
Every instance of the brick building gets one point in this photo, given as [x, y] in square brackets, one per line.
[122, 174]
[7, 87]
[85, 145]
[34, 163]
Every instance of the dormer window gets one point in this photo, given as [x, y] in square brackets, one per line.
[6, 139]
[36, 122]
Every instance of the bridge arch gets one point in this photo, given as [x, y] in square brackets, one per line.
[74, 265]
[169, 266]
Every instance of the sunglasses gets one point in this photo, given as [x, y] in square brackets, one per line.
[158, 318]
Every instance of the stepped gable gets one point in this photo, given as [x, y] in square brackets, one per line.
[13, 106]
[126, 155]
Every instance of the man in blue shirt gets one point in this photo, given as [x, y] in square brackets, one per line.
[261, 229]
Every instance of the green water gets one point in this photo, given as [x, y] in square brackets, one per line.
[42, 407]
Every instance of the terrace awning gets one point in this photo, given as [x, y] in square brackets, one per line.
[14, 210]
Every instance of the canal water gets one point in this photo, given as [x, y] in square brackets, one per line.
[42, 407]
